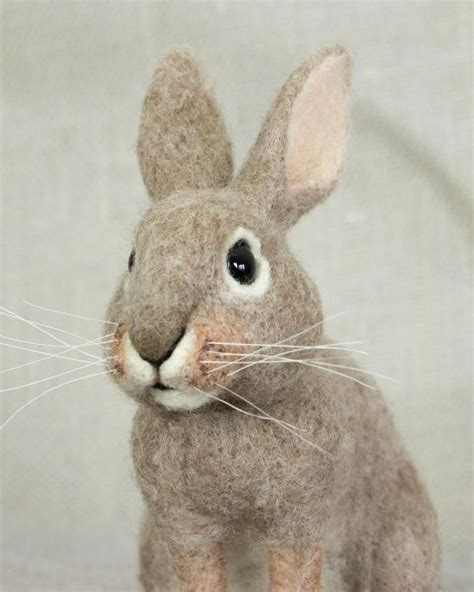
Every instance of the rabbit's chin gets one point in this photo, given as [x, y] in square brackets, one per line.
[180, 400]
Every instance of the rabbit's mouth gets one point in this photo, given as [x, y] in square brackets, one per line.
[161, 387]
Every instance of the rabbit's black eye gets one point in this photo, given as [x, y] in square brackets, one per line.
[131, 260]
[241, 262]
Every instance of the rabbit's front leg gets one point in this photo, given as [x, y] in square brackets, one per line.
[298, 570]
[200, 570]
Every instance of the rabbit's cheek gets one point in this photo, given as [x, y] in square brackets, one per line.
[115, 354]
[219, 344]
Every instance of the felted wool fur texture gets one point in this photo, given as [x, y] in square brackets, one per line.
[334, 494]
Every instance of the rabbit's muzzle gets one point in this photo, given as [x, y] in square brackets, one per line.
[157, 363]
[181, 378]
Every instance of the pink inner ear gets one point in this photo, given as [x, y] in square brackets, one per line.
[318, 127]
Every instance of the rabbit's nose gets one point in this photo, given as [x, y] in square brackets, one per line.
[157, 363]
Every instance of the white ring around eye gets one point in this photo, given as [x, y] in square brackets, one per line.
[262, 280]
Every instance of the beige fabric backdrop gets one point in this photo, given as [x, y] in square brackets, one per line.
[392, 244]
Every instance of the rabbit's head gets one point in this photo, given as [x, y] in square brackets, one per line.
[210, 273]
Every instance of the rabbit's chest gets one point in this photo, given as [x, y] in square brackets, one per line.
[231, 471]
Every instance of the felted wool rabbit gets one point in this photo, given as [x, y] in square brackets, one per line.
[242, 434]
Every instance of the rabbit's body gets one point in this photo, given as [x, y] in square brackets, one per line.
[251, 480]
[236, 439]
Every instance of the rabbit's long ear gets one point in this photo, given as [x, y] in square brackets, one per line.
[182, 143]
[300, 150]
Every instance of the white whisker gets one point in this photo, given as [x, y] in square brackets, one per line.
[44, 393]
[26, 384]
[265, 418]
[68, 314]
[12, 316]
[269, 345]
[233, 406]
[56, 355]
[330, 347]
[373, 388]
[303, 332]
[284, 425]
[45, 332]
[360, 370]
[276, 361]
[276, 356]
[258, 408]
[348, 349]
[227, 354]
[24, 341]
[313, 364]
[35, 351]
[19, 317]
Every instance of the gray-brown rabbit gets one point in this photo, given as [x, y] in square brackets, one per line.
[211, 282]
